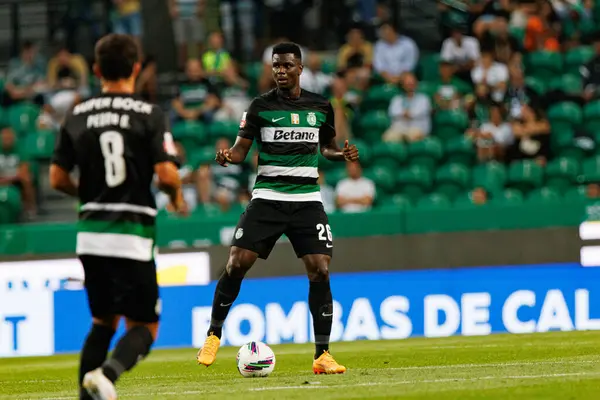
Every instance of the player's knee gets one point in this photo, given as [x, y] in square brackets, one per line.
[240, 261]
[318, 271]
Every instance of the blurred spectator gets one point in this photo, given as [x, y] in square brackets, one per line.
[188, 181]
[327, 194]
[234, 98]
[127, 18]
[68, 83]
[478, 106]
[343, 109]
[458, 13]
[14, 169]
[146, 85]
[25, 78]
[266, 79]
[506, 48]
[356, 51]
[542, 29]
[187, 25]
[519, 94]
[532, 134]
[494, 136]
[450, 90]
[355, 193]
[478, 196]
[590, 72]
[198, 98]
[462, 51]
[221, 185]
[216, 61]
[492, 74]
[394, 54]
[492, 13]
[312, 78]
[410, 113]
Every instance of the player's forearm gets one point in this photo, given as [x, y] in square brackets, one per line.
[332, 154]
[238, 155]
[68, 187]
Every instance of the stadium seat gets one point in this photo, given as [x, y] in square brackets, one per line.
[379, 97]
[460, 150]
[525, 175]
[465, 200]
[415, 181]
[428, 67]
[576, 57]
[39, 145]
[563, 142]
[389, 151]
[223, 129]
[202, 156]
[508, 197]
[448, 124]
[375, 121]
[382, 177]
[491, 176]
[428, 88]
[544, 64]
[10, 200]
[395, 201]
[364, 151]
[333, 176]
[329, 65]
[568, 83]
[591, 116]
[3, 115]
[427, 152]
[544, 195]
[452, 179]
[561, 173]
[590, 170]
[565, 112]
[576, 193]
[434, 201]
[191, 134]
[23, 117]
[537, 85]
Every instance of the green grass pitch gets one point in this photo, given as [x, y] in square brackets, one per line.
[536, 366]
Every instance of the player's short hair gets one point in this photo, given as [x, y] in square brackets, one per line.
[287, 48]
[116, 55]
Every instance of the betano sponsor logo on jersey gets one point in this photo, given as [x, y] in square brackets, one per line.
[270, 134]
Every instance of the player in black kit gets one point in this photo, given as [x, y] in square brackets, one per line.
[290, 126]
[117, 143]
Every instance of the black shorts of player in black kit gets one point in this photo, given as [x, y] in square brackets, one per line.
[304, 223]
[117, 286]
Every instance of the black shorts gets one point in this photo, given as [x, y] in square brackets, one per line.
[117, 286]
[304, 223]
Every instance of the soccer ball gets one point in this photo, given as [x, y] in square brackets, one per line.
[255, 359]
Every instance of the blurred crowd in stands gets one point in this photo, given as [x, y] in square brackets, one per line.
[507, 110]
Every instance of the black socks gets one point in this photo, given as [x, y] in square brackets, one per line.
[226, 292]
[133, 346]
[320, 303]
[94, 352]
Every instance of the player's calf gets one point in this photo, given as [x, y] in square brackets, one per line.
[94, 352]
[133, 346]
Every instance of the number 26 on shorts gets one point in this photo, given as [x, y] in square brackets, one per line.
[323, 230]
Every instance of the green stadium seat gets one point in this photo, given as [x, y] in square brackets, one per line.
[518, 33]
[325, 164]
[590, 170]
[448, 124]
[23, 117]
[563, 142]
[191, 134]
[465, 200]
[452, 179]
[415, 181]
[333, 176]
[427, 152]
[429, 67]
[375, 121]
[460, 150]
[544, 195]
[525, 175]
[490, 176]
[390, 151]
[3, 115]
[39, 145]
[204, 155]
[379, 97]
[561, 173]
[576, 193]
[382, 177]
[386, 163]
[10, 201]
[565, 112]
[329, 65]
[508, 197]
[536, 84]
[544, 64]
[364, 151]
[576, 57]
[568, 83]
[395, 201]
[591, 116]
[428, 88]
[223, 129]
[434, 201]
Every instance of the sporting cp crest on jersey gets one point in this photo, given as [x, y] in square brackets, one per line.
[311, 118]
[295, 119]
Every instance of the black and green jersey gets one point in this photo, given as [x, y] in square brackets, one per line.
[194, 93]
[288, 133]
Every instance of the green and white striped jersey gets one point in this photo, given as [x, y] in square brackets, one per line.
[288, 133]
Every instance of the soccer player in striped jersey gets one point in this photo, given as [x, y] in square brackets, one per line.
[117, 143]
[290, 126]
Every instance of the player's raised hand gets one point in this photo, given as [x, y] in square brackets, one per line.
[350, 152]
[223, 157]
